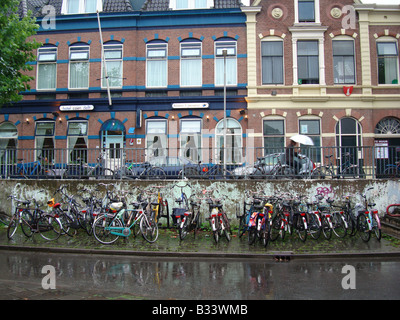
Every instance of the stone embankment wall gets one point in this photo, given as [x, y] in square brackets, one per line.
[233, 193]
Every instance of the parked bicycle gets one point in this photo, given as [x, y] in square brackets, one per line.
[108, 227]
[34, 169]
[85, 170]
[368, 220]
[33, 220]
[218, 219]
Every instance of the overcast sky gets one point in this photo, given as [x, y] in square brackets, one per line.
[381, 1]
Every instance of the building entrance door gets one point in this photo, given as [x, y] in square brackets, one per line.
[113, 138]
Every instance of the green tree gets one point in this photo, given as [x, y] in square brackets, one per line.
[15, 51]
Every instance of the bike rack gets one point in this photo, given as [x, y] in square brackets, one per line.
[392, 205]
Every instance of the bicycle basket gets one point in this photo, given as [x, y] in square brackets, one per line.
[50, 203]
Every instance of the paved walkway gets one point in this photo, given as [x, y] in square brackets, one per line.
[169, 245]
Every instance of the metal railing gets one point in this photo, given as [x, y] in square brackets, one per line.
[259, 163]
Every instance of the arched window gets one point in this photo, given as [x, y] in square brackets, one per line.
[233, 141]
[388, 126]
[79, 66]
[8, 142]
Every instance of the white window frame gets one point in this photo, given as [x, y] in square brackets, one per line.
[197, 58]
[79, 49]
[230, 149]
[195, 154]
[155, 152]
[82, 7]
[43, 51]
[156, 47]
[316, 13]
[273, 39]
[108, 48]
[231, 47]
[345, 38]
[387, 39]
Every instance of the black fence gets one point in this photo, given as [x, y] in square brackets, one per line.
[206, 163]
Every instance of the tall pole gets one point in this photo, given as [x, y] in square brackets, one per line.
[103, 60]
[224, 53]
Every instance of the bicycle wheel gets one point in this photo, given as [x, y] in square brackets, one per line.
[27, 223]
[301, 228]
[252, 235]
[242, 220]
[314, 226]
[184, 230]
[339, 225]
[362, 227]
[226, 226]
[276, 228]
[149, 229]
[265, 233]
[49, 227]
[376, 229]
[101, 228]
[5, 218]
[12, 227]
[326, 228]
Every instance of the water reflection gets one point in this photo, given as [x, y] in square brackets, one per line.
[195, 279]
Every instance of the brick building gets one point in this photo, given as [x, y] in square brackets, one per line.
[328, 69]
[165, 67]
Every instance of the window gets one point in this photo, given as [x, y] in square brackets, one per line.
[47, 68]
[190, 4]
[307, 61]
[156, 138]
[343, 61]
[306, 10]
[311, 128]
[190, 139]
[79, 66]
[191, 64]
[81, 6]
[8, 142]
[348, 137]
[44, 140]
[231, 62]
[388, 57]
[77, 140]
[272, 62]
[233, 141]
[113, 59]
[156, 65]
[274, 135]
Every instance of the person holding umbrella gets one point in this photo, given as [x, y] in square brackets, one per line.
[291, 153]
[292, 150]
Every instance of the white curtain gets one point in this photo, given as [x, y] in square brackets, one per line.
[46, 76]
[156, 73]
[231, 71]
[79, 75]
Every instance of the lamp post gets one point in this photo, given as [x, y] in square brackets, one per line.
[224, 53]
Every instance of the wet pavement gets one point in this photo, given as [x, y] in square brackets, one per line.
[132, 269]
[169, 244]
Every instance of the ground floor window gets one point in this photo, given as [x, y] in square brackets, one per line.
[77, 140]
[156, 138]
[233, 141]
[44, 141]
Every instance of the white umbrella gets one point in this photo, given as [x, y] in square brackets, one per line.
[301, 138]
